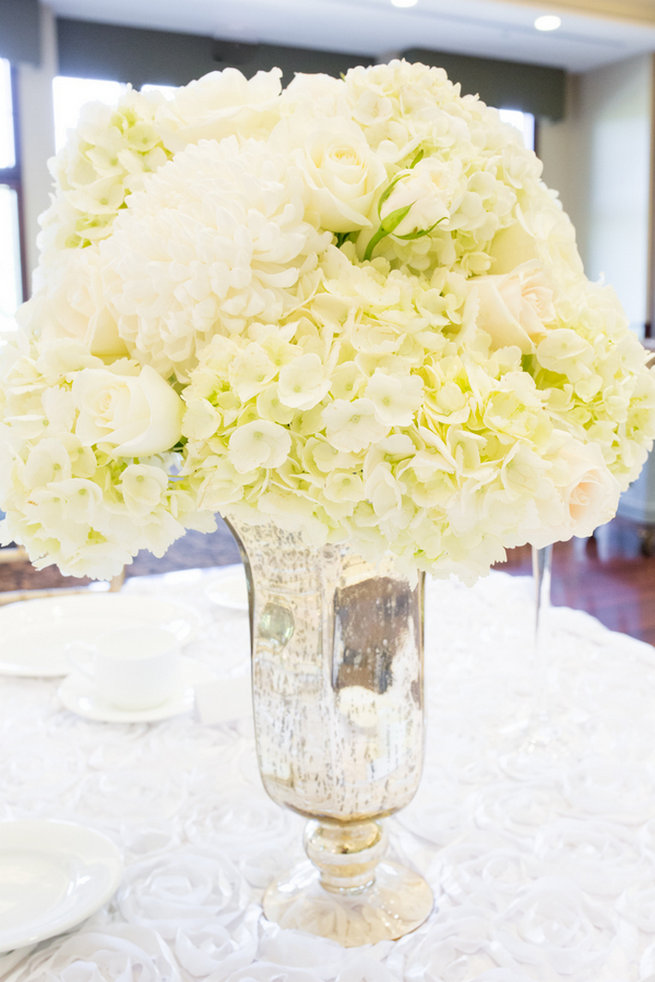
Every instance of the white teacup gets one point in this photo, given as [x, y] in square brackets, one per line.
[132, 667]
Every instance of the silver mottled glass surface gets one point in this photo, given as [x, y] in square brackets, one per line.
[337, 663]
[337, 678]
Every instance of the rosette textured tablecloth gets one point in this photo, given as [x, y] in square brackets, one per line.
[543, 864]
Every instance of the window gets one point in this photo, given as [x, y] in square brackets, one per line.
[70, 94]
[11, 273]
[524, 122]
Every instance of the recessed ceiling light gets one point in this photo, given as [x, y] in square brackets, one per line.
[404, 3]
[549, 22]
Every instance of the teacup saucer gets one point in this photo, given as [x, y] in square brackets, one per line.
[228, 588]
[78, 694]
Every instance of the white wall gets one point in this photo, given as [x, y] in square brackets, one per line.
[557, 146]
[37, 133]
[599, 159]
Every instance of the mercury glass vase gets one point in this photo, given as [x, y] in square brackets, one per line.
[337, 682]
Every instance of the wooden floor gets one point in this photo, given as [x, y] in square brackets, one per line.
[608, 575]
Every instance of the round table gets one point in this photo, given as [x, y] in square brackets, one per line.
[534, 822]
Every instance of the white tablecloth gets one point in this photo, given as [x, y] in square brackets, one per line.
[543, 863]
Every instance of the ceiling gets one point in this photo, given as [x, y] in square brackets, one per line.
[593, 32]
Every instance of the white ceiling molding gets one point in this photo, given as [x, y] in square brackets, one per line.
[632, 11]
[593, 32]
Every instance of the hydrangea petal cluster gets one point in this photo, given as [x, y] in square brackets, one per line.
[105, 159]
[89, 474]
[351, 307]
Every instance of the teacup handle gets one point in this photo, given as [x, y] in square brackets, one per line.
[78, 655]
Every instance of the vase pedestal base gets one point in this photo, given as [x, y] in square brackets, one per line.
[397, 902]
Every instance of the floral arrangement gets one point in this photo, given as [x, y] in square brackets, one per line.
[350, 306]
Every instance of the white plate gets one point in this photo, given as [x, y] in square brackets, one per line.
[35, 633]
[229, 589]
[78, 694]
[53, 875]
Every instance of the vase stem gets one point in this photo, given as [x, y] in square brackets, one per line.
[345, 855]
[541, 572]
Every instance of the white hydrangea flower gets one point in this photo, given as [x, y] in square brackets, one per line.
[66, 498]
[395, 399]
[258, 443]
[143, 487]
[250, 371]
[104, 160]
[303, 382]
[384, 491]
[351, 307]
[344, 486]
[353, 425]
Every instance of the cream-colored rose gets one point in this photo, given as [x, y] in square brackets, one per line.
[513, 308]
[586, 493]
[342, 175]
[591, 495]
[131, 415]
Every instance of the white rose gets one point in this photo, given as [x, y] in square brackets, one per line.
[73, 306]
[341, 172]
[512, 308]
[220, 104]
[323, 95]
[511, 247]
[431, 191]
[134, 415]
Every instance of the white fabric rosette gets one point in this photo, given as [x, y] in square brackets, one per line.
[456, 945]
[117, 953]
[554, 926]
[262, 834]
[184, 890]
